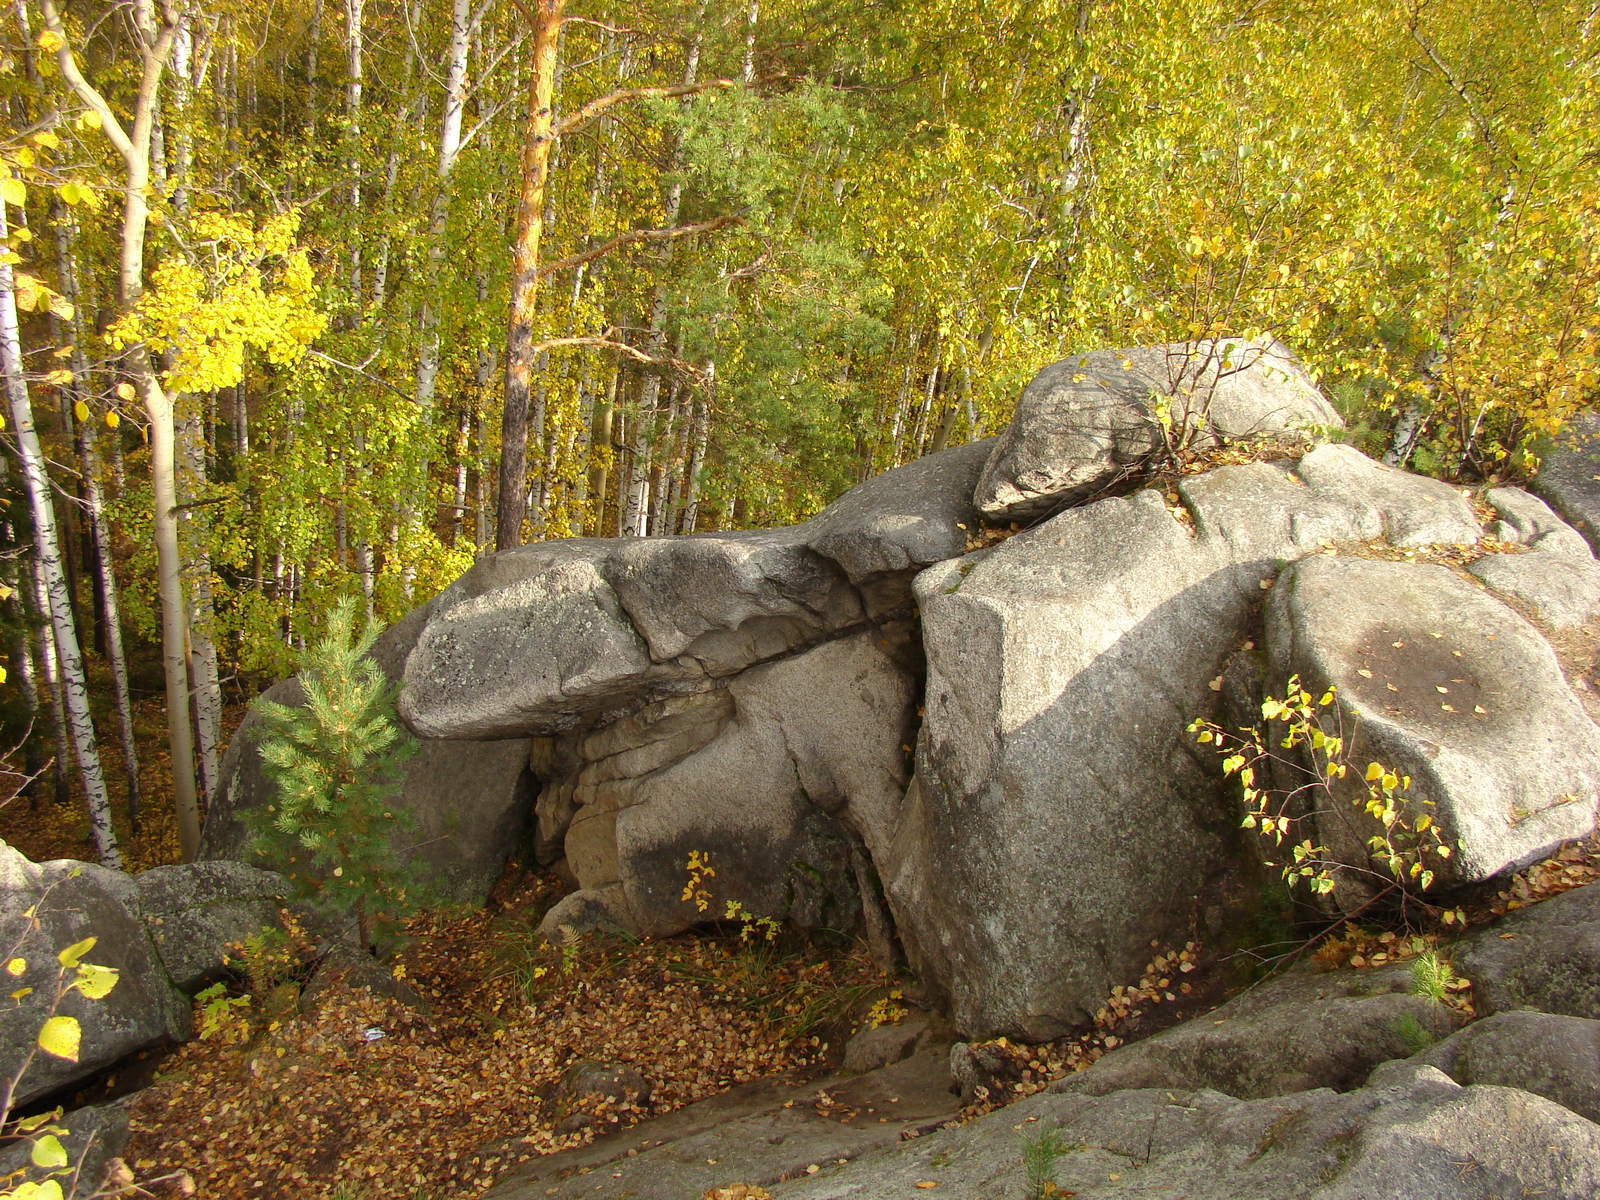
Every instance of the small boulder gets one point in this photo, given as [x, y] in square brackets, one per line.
[1414, 510]
[95, 1138]
[872, 1048]
[882, 531]
[1569, 476]
[1562, 590]
[1528, 521]
[193, 911]
[73, 901]
[1545, 956]
[1083, 422]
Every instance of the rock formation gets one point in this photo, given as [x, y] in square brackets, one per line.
[890, 717]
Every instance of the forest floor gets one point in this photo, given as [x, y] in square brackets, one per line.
[351, 1095]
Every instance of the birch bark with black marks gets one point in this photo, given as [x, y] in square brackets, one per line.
[94, 503]
[74, 683]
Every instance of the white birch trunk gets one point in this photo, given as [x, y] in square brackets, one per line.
[75, 687]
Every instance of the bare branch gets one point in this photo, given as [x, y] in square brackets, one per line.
[594, 108]
[607, 342]
[637, 235]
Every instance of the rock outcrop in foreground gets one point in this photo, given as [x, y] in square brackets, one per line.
[977, 752]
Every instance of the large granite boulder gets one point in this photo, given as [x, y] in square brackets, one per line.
[775, 776]
[1439, 682]
[1060, 818]
[1086, 421]
[71, 901]
[469, 800]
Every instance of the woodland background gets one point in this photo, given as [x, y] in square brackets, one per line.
[261, 256]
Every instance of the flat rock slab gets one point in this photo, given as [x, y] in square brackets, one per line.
[1562, 589]
[1291, 1034]
[759, 1134]
[1399, 1142]
[1545, 957]
[1442, 683]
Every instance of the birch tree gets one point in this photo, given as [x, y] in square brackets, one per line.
[156, 30]
[75, 687]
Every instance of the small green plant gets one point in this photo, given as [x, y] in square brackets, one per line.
[1404, 838]
[1413, 1034]
[1040, 1153]
[1432, 976]
[337, 765]
[752, 927]
[223, 1016]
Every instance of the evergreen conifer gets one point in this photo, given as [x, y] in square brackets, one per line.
[337, 765]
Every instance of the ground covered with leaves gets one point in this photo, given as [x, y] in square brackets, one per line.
[346, 1093]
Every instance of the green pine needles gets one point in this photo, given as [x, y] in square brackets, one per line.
[337, 764]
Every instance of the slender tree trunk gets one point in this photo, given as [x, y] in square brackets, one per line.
[99, 527]
[50, 672]
[699, 436]
[134, 147]
[206, 690]
[520, 353]
[75, 686]
[600, 451]
[455, 100]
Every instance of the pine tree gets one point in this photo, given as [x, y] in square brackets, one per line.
[337, 764]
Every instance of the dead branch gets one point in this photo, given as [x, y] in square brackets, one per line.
[595, 107]
[637, 235]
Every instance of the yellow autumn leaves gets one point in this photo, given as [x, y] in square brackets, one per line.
[240, 287]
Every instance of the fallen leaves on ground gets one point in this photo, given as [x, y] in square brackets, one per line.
[314, 1104]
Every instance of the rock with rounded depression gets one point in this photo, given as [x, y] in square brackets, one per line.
[1414, 510]
[1086, 420]
[1440, 682]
